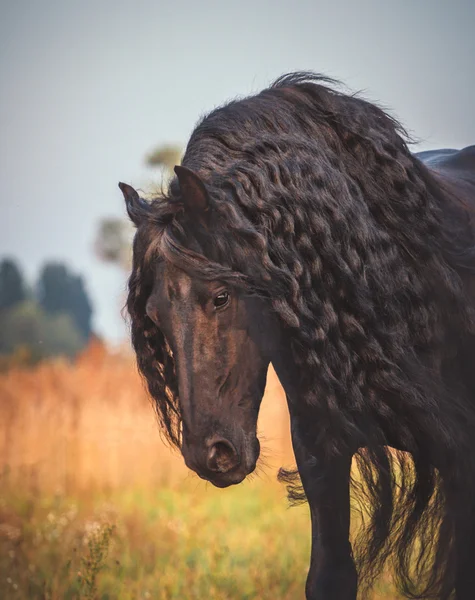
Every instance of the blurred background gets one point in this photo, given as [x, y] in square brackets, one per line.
[92, 503]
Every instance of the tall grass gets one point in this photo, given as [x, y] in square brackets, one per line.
[68, 426]
[94, 505]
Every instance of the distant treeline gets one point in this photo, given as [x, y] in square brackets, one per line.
[51, 317]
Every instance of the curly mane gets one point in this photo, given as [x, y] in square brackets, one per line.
[318, 206]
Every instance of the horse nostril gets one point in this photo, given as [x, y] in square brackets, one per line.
[222, 457]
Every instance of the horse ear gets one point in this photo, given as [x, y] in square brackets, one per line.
[193, 190]
[137, 208]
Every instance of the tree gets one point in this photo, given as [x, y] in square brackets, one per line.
[80, 307]
[58, 323]
[21, 327]
[54, 288]
[114, 240]
[27, 327]
[114, 237]
[62, 337]
[165, 157]
[12, 285]
[61, 292]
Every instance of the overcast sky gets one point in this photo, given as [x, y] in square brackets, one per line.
[88, 87]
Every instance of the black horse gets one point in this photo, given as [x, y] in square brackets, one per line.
[301, 231]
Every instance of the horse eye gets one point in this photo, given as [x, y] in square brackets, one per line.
[221, 299]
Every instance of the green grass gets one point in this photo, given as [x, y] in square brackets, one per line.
[181, 542]
[187, 542]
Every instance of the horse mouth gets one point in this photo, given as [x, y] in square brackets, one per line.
[233, 477]
[227, 481]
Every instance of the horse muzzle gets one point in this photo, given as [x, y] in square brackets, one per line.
[219, 462]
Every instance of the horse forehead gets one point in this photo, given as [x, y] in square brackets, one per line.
[178, 284]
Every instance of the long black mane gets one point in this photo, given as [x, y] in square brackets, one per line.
[319, 206]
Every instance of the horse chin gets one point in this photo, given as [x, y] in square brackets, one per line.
[228, 479]
[234, 477]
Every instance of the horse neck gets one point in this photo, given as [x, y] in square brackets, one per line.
[286, 370]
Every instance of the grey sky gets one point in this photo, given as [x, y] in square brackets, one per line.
[88, 87]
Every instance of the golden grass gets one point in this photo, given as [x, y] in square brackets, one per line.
[67, 426]
[81, 460]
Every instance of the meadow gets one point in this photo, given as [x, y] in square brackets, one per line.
[94, 505]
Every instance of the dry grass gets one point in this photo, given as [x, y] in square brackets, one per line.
[94, 505]
[69, 426]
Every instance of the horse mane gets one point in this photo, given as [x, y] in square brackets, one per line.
[318, 206]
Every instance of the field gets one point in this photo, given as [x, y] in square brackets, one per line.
[94, 505]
